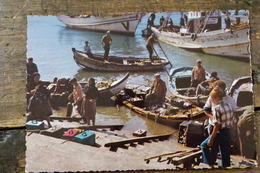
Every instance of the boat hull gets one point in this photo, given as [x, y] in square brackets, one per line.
[219, 42]
[125, 24]
[99, 65]
[181, 72]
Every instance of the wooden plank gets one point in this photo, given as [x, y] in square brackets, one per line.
[138, 140]
[187, 158]
[111, 127]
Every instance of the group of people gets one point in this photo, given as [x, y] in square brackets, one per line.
[106, 42]
[222, 125]
[39, 96]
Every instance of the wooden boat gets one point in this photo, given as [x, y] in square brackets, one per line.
[179, 85]
[209, 38]
[120, 24]
[172, 113]
[242, 91]
[118, 64]
[170, 120]
[106, 90]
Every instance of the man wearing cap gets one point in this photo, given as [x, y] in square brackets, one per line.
[87, 50]
[198, 74]
[31, 68]
[156, 95]
[106, 41]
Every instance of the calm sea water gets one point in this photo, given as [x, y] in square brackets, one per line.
[50, 42]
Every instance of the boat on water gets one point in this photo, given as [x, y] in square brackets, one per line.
[106, 89]
[171, 113]
[205, 33]
[119, 24]
[180, 82]
[118, 64]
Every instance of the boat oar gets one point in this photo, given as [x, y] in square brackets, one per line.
[161, 62]
[164, 53]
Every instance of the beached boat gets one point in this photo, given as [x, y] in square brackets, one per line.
[180, 82]
[118, 64]
[209, 37]
[172, 120]
[107, 89]
[242, 91]
[120, 24]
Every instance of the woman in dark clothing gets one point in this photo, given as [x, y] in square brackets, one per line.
[39, 104]
[89, 102]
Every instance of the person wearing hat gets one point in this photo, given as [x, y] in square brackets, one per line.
[206, 86]
[106, 42]
[31, 67]
[223, 120]
[87, 50]
[198, 74]
[156, 95]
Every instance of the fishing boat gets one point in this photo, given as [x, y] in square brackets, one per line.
[172, 112]
[120, 24]
[118, 64]
[242, 91]
[205, 33]
[106, 89]
[180, 82]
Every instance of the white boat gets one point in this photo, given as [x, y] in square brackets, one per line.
[242, 91]
[121, 24]
[180, 82]
[210, 38]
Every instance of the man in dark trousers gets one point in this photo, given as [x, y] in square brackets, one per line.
[106, 41]
[31, 68]
[149, 46]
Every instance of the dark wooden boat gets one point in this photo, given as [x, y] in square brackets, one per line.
[179, 85]
[118, 64]
[106, 92]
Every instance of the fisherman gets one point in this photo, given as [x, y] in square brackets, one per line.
[182, 23]
[106, 42]
[149, 45]
[162, 19]
[76, 95]
[31, 67]
[223, 120]
[228, 23]
[206, 86]
[157, 93]
[87, 50]
[198, 74]
[185, 18]
[208, 109]
[91, 94]
[170, 23]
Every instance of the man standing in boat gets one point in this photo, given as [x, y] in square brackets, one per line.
[156, 95]
[87, 50]
[149, 45]
[198, 74]
[106, 41]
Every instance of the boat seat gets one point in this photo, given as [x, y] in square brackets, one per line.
[185, 89]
